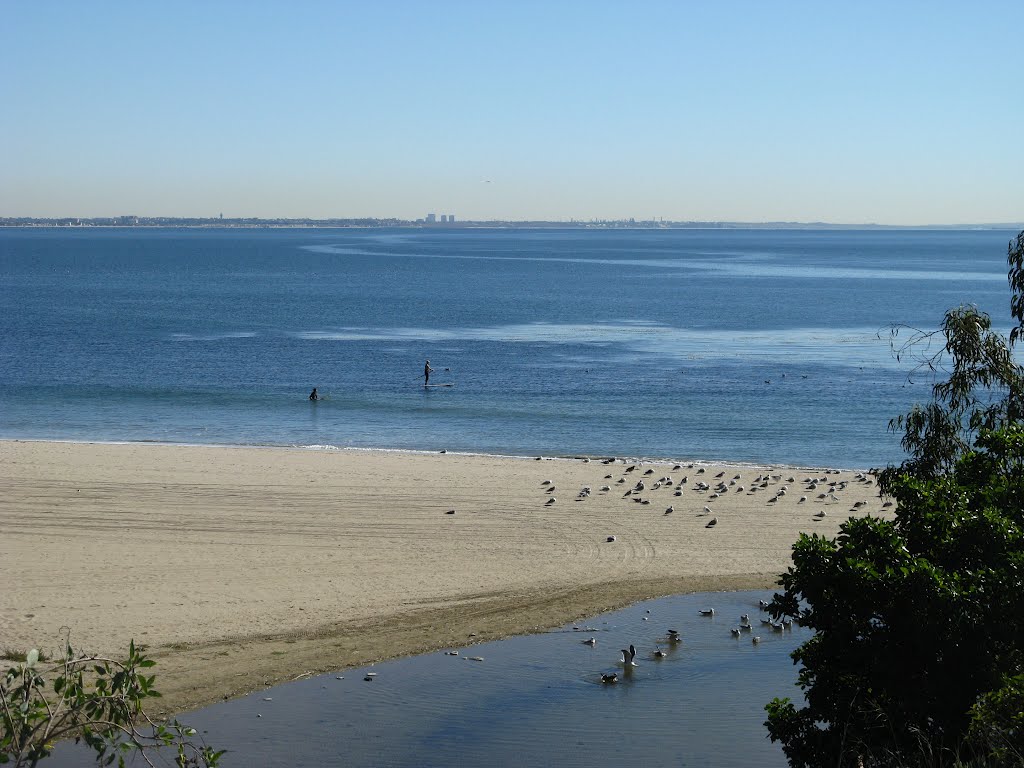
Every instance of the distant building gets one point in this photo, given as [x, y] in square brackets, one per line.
[451, 218]
[431, 218]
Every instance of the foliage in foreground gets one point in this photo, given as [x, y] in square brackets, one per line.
[917, 654]
[94, 700]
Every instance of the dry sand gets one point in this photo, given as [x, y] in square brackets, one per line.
[244, 567]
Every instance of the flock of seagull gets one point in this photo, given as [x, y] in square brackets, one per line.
[826, 489]
[627, 656]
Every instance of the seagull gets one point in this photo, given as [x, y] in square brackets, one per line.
[549, 502]
[590, 641]
[755, 639]
[712, 522]
[610, 677]
[735, 631]
[628, 656]
[707, 510]
[670, 510]
[744, 617]
[707, 611]
[659, 654]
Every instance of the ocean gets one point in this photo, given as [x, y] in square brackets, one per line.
[759, 346]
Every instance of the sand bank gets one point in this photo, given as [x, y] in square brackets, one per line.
[243, 567]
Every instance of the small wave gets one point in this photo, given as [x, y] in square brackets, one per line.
[213, 336]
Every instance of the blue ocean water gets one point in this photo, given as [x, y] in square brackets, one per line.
[741, 345]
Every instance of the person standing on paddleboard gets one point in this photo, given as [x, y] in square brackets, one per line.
[427, 370]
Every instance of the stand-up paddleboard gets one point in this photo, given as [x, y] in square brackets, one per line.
[438, 385]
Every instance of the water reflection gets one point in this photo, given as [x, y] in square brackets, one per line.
[539, 700]
[536, 700]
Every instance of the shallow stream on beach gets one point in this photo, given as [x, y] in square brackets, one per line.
[536, 700]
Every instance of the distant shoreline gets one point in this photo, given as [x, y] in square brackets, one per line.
[600, 225]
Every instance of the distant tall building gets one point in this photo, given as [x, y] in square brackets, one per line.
[451, 218]
[431, 218]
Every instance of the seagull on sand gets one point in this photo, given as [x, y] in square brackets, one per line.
[670, 510]
[549, 502]
[712, 522]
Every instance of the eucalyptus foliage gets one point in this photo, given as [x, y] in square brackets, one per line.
[93, 700]
[916, 658]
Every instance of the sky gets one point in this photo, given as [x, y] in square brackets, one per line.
[866, 112]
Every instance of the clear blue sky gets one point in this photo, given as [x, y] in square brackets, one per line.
[845, 112]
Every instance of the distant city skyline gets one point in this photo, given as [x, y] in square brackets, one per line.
[869, 113]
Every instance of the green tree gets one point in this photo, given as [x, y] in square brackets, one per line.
[916, 657]
[94, 700]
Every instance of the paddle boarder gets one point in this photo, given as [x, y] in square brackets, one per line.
[313, 395]
[427, 370]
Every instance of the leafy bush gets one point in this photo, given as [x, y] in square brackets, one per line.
[94, 700]
[916, 658]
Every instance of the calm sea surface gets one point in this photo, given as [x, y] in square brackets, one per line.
[754, 346]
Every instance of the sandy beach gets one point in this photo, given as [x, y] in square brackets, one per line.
[240, 568]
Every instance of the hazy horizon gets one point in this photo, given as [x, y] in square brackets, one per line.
[900, 115]
[568, 222]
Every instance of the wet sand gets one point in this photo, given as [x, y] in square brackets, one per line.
[244, 567]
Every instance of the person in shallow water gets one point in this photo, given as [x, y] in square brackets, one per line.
[313, 395]
[427, 370]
